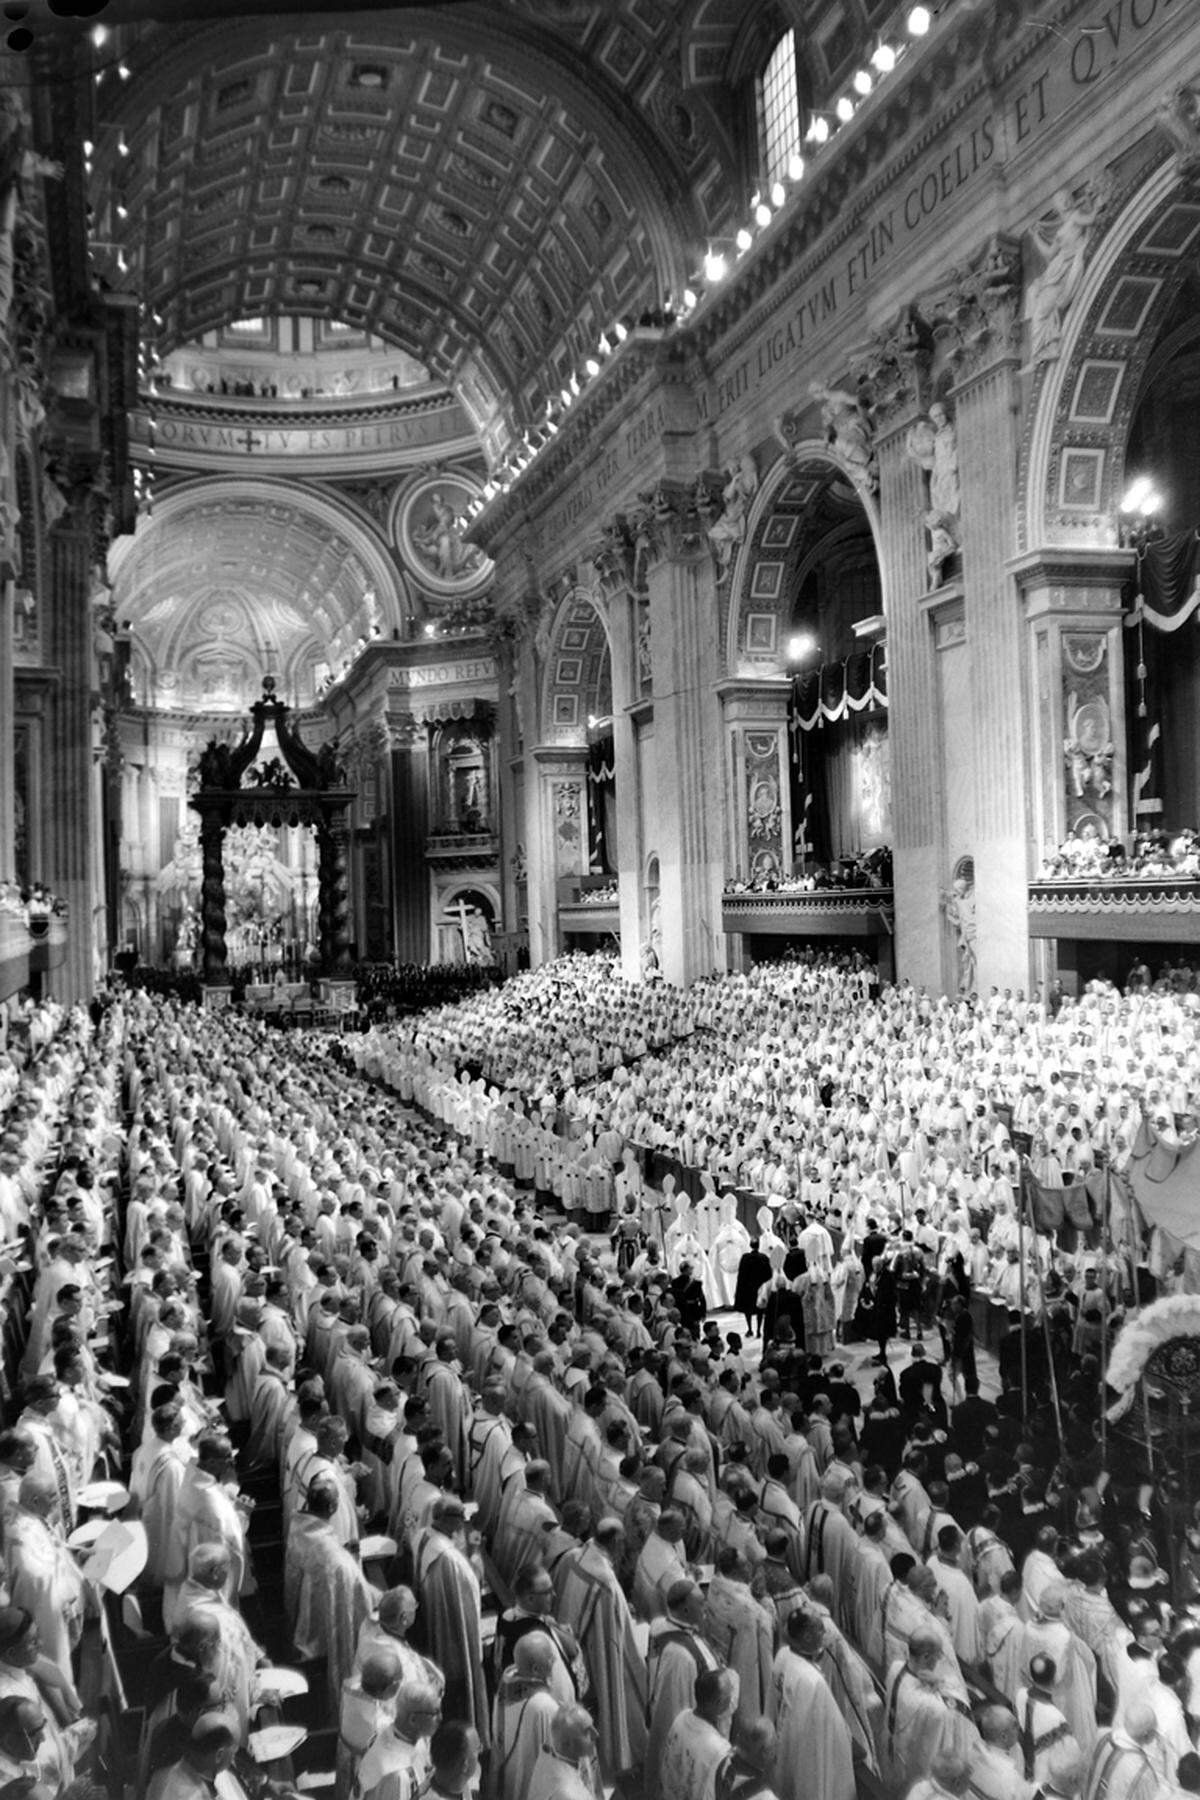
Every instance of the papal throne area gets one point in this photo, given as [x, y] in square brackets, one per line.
[599, 899]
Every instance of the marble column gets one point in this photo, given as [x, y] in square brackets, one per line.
[8, 709]
[68, 782]
[690, 799]
[914, 735]
[613, 561]
[408, 828]
[985, 398]
[510, 801]
[335, 897]
[212, 900]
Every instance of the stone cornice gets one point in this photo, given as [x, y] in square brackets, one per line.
[1072, 565]
[644, 352]
[860, 169]
[233, 409]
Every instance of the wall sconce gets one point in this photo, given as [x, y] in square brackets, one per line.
[1137, 523]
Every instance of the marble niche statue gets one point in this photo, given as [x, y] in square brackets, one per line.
[933, 443]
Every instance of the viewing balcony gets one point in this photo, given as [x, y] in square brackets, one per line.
[828, 912]
[462, 849]
[1152, 909]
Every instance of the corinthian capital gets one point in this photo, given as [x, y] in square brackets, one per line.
[613, 555]
[976, 314]
[894, 368]
[671, 521]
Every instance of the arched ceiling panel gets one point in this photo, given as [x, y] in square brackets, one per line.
[219, 580]
[486, 193]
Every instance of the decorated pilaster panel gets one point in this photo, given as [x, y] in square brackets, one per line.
[1077, 686]
[759, 836]
[556, 828]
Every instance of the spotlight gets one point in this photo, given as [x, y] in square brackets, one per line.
[862, 82]
[592, 366]
[919, 21]
[762, 214]
[845, 109]
[800, 645]
[620, 331]
[689, 299]
[884, 59]
[715, 266]
[818, 131]
[795, 166]
[778, 194]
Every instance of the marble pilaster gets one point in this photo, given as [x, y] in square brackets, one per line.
[68, 780]
[985, 415]
[914, 732]
[681, 583]
[408, 827]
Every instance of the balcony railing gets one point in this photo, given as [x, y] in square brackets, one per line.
[475, 848]
[1153, 908]
[827, 912]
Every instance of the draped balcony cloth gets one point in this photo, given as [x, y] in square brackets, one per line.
[1168, 583]
[602, 807]
[836, 691]
[825, 806]
[1166, 597]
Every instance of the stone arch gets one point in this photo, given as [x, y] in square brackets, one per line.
[327, 581]
[1083, 402]
[577, 679]
[771, 558]
[469, 885]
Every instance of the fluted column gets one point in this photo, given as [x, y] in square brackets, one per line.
[408, 827]
[986, 422]
[690, 799]
[68, 783]
[913, 718]
[7, 731]
[613, 560]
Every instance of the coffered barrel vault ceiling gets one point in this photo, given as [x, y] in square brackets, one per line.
[469, 198]
[487, 186]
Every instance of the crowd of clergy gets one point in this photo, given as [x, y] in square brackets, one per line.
[443, 1426]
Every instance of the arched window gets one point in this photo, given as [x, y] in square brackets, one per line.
[779, 110]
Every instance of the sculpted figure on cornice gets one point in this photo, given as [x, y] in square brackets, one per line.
[1062, 236]
[933, 443]
[850, 431]
[1178, 114]
[729, 531]
[19, 164]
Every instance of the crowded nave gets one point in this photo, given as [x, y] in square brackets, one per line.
[586, 1387]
